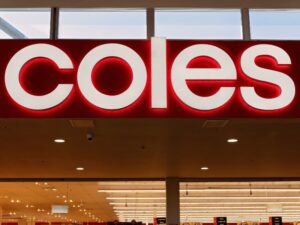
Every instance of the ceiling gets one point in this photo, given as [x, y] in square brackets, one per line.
[150, 148]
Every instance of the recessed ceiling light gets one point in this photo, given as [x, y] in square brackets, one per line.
[204, 168]
[136, 198]
[131, 191]
[79, 168]
[59, 140]
[232, 140]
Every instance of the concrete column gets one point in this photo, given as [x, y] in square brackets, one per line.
[172, 190]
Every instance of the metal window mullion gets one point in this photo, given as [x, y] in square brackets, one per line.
[150, 22]
[246, 24]
[54, 23]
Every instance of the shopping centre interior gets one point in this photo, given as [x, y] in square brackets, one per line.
[93, 171]
[99, 202]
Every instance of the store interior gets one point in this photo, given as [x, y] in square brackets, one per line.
[143, 201]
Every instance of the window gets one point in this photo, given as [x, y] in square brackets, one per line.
[24, 23]
[275, 24]
[198, 24]
[102, 24]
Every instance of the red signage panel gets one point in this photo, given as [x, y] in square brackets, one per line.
[149, 78]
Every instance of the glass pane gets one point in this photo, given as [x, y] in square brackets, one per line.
[24, 23]
[102, 24]
[4, 35]
[271, 24]
[198, 24]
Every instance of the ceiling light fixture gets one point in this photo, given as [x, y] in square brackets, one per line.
[242, 190]
[140, 207]
[133, 191]
[239, 197]
[240, 203]
[59, 140]
[79, 168]
[232, 140]
[204, 168]
[198, 190]
[135, 198]
[137, 203]
[190, 207]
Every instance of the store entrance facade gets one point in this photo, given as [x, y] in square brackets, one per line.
[111, 111]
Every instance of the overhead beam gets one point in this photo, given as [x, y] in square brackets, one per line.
[11, 30]
[153, 4]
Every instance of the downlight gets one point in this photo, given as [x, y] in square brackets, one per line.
[232, 140]
[59, 140]
[204, 168]
[79, 168]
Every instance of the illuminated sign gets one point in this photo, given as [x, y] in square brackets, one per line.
[220, 220]
[275, 220]
[149, 78]
[63, 209]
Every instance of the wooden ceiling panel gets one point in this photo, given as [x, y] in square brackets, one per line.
[149, 148]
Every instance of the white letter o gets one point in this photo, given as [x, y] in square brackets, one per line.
[139, 76]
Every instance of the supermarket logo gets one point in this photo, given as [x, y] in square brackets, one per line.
[163, 75]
